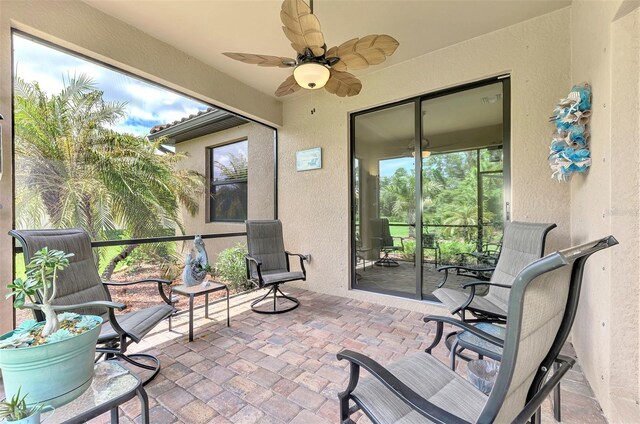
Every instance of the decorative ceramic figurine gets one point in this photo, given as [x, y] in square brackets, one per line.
[196, 267]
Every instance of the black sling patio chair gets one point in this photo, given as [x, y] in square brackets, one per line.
[81, 290]
[480, 263]
[268, 265]
[523, 242]
[420, 389]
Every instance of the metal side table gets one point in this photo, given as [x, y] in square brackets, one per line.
[112, 386]
[199, 290]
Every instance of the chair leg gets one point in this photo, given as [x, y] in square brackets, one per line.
[275, 289]
[557, 401]
[344, 410]
[386, 261]
[452, 355]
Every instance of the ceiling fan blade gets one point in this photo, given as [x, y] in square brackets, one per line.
[289, 86]
[263, 60]
[301, 27]
[343, 84]
[360, 53]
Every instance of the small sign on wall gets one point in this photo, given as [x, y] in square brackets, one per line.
[307, 160]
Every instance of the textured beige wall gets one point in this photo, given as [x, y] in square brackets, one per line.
[77, 26]
[606, 53]
[314, 206]
[260, 187]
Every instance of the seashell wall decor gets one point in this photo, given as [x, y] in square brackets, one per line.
[569, 151]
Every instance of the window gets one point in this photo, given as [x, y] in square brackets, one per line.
[228, 168]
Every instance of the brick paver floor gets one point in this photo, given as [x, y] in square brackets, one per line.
[283, 368]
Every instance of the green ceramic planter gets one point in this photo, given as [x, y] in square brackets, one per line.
[52, 374]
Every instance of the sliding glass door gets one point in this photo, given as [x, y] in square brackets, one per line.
[385, 200]
[429, 179]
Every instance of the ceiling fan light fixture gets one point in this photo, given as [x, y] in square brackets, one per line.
[311, 75]
[425, 154]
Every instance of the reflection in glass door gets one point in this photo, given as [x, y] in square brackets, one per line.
[462, 174]
[446, 185]
[385, 197]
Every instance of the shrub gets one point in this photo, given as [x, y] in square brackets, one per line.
[151, 254]
[232, 268]
[449, 250]
[409, 251]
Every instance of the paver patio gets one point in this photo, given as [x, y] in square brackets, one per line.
[283, 368]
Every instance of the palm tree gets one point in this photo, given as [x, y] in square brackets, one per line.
[72, 170]
[231, 198]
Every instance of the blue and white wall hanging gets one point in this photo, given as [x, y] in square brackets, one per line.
[569, 151]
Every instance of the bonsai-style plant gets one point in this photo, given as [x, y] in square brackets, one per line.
[60, 350]
[41, 280]
[16, 409]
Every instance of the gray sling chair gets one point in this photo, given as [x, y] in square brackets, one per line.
[268, 264]
[81, 290]
[385, 241]
[421, 389]
[523, 243]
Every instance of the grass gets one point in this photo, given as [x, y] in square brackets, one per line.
[402, 231]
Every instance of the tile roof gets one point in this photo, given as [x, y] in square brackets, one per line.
[161, 127]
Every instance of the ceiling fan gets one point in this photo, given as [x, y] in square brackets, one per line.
[316, 66]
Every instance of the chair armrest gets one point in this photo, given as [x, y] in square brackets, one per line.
[446, 269]
[302, 259]
[395, 386]
[300, 255]
[258, 263]
[129, 283]
[466, 268]
[484, 283]
[441, 320]
[402, 239]
[93, 304]
[159, 281]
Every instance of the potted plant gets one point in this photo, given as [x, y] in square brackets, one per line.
[60, 350]
[17, 411]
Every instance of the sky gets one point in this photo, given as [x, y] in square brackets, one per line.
[388, 167]
[147, 104]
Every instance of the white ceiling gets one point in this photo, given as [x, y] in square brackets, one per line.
[206, 29]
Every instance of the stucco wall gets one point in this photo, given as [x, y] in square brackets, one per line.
[314, 206]
[606, 335]
[75, 25]
[260, 182]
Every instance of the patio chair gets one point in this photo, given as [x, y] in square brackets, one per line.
[420, 389]
[81, 290]
[466, 341]
[487, 256]
[268, 264]
[523, 243]
[479, 264]
[385, 241]
[430, 242]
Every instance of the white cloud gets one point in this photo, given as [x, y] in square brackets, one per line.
[147, 104]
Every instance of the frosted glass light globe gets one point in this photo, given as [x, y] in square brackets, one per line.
[311, 76]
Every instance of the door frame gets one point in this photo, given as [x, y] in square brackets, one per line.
[417, 101]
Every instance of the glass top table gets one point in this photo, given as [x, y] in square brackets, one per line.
[112, 385]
